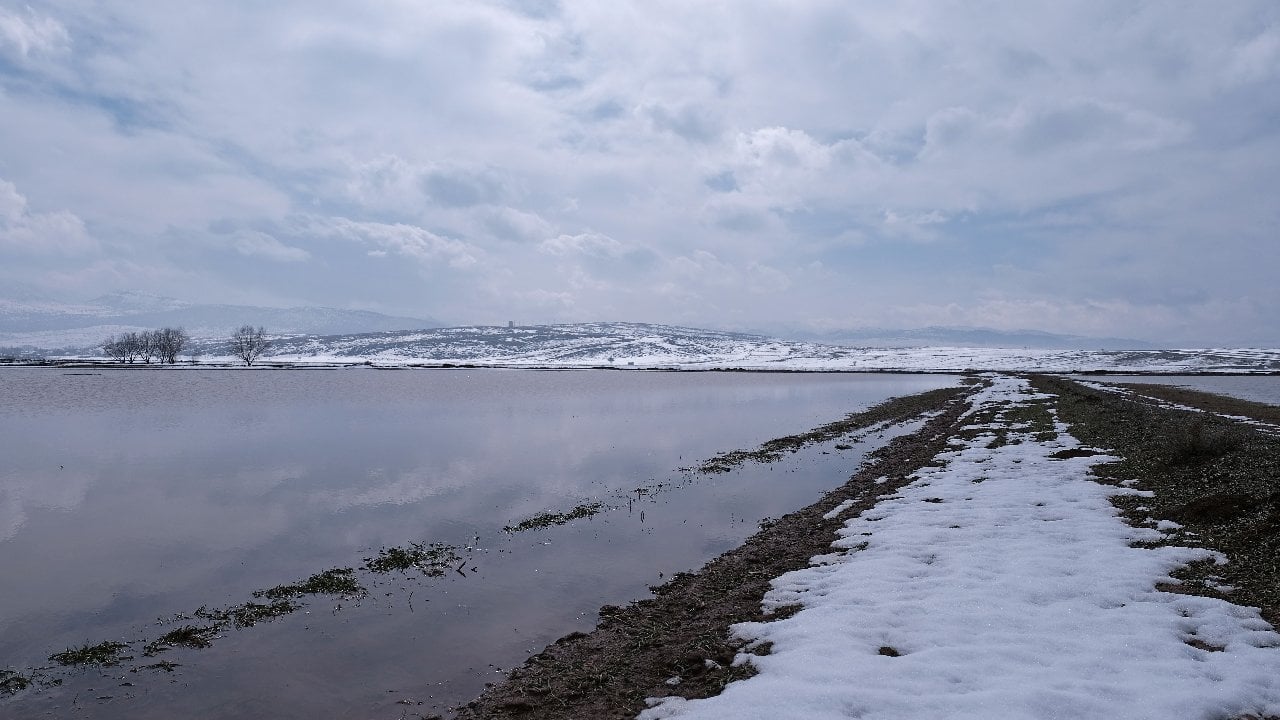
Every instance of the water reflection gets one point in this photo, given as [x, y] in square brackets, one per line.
[1258, 388]
[137, 494]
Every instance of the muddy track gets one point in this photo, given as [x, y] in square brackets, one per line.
[683, 632]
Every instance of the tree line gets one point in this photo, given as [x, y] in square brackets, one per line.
[163, 345]
[247, 343]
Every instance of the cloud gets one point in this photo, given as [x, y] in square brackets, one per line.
[454, 187]
[1257, 59]
[259, 244]
[30, 233]
[1070, 125]
[409, 241]
[693, 123]
[591, 244]
[594, 152]
[508, 223]
[915, 226]
[704, 269]
[33, 34]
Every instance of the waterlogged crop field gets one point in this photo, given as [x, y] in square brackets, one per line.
[370, 543]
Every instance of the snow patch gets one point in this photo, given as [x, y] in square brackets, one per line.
[1018, 597]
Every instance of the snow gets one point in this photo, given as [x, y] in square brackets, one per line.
[1006, 586]
[648, 346]
[838, 510]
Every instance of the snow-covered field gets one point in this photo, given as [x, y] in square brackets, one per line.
[1002, 585]
[646, 346]
[664, 346]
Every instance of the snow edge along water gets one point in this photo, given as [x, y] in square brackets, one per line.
[1001, 584]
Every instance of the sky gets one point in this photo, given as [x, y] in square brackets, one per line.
[1095, 167]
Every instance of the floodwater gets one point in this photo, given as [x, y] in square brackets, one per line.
[1258, 388]
[129, 499]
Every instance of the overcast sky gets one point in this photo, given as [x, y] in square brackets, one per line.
[1099, 168]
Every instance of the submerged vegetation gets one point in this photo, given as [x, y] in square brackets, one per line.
[12, 682]
[105, 653]
[185, 636]
[432, 559]
[338, 581]
[547, 519]
[251, 613]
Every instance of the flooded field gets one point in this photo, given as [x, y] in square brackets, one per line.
[363, 543]
[1258, 388]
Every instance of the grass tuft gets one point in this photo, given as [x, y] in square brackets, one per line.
[105, 653]
[432, 559]
[338, 581]
[1199, 441]
[12, 682]
[185, 636]
[545, 519]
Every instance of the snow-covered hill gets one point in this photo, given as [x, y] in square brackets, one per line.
[963, 337]
[635, 345]
[648, 346]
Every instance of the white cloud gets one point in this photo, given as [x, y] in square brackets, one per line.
[588, 243]
[1256, 60]
[31, 34]
[260, 244]
[32, 233]
[714, 150]
[912, 226]
[398, 238]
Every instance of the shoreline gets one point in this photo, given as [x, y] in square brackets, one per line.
[684, 629]
[97, 364]
[1220, 479]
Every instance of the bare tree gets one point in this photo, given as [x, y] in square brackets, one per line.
[169, 342]
[117, 349]
[126, 348]
[148, 345]
[163, 344]
[249, 343]
[133, 345]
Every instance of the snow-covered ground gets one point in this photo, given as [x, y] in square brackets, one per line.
[1002, 585]
[641, 346]
[647, 346]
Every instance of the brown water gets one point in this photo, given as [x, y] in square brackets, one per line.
[129, 496]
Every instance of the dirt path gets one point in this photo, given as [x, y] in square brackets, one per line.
[1219, 479]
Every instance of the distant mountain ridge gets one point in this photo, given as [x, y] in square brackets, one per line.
[37, 322]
